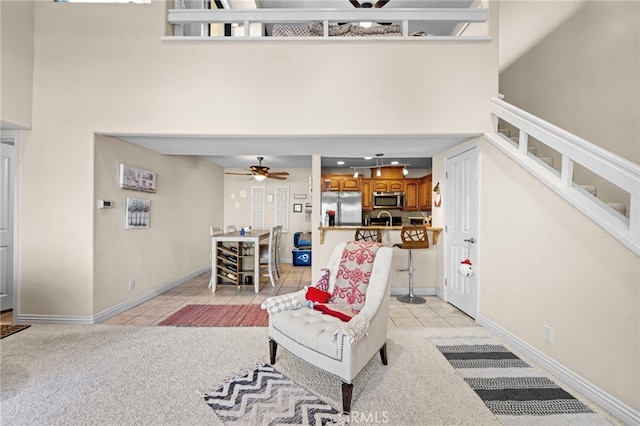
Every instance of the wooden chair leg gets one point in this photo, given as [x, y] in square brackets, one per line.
[383, 354]
[273, 348]
[347, 392]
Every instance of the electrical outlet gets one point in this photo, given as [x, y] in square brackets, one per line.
[132, 284]
[548, 333]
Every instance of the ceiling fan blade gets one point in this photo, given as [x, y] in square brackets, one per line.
[277, 177]
[279, 173]
[243, 174]
[355, 3]
[380, 3]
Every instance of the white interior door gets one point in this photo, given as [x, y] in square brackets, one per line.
[461, 204]
[7, 164]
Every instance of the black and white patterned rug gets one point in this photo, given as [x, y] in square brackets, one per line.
[263, 396]
[514, 391]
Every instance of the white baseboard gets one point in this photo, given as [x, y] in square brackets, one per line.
[113, 311]
[605, 400]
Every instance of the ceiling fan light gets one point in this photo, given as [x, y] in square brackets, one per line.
[365, 24]
[259, 178]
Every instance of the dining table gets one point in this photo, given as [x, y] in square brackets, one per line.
[241, 240]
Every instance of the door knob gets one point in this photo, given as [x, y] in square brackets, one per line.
[470, 240]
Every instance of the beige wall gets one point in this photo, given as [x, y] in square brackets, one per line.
[104, 68]
[541, 266]
[583, 75]
[16, 63]
[188, 200]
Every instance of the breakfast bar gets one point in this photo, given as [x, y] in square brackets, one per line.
[435, 231]
[427, 275]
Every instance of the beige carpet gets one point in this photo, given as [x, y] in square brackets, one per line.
[132, 375]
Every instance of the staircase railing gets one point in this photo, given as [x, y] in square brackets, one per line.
[574, 150]
[245, 18]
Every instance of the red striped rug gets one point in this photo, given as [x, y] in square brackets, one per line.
[219, 316]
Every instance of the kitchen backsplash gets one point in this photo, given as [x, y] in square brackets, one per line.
[397, 212]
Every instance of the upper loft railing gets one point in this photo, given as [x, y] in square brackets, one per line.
[249, 23]
[574, 152]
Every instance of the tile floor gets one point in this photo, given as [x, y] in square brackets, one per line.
[435, 313]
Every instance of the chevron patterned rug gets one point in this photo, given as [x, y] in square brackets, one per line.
[263, 396]
[514, 391]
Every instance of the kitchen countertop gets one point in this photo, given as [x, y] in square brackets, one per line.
[435, 230]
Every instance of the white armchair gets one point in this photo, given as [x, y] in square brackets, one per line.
[309, 334]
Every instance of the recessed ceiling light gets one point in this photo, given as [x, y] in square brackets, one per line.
[395, 162]
[368, 158]
[340, 163]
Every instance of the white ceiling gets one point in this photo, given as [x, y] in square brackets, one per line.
[295, 151]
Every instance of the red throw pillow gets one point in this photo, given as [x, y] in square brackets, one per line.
[316, 295]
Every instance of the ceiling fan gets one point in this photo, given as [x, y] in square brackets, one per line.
[261, 172]
[368, 5]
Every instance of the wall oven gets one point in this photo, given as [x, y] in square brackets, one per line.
[388, 200]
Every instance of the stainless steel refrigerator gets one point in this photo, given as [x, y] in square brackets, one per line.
[347, 205]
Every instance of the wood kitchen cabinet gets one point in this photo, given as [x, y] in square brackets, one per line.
[350, 183]
[424, 193]
[411, 191]
[367, 195]
[388, 185]
[333, 182]
[396, 185]
[379, 185]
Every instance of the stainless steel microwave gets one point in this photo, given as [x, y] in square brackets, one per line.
[388, 200]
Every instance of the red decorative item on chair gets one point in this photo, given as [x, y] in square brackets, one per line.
[317, 295]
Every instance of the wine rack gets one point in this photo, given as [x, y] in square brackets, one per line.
[229, 262]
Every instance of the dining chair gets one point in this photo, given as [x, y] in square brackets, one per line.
[215, 230]
[231, 228]
[277, 230]
[268, 256]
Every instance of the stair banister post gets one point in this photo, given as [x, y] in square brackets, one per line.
[634, 216]
[523, 143]
[566, 171]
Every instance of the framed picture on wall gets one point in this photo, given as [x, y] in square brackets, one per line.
[297, 208]
[137, 213]
[137, 179]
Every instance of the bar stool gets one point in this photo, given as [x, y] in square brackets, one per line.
[413, 237]
[364, 234]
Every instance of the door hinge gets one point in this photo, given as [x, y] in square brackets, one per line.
[446, 175]
[446, 228]
[445, 282]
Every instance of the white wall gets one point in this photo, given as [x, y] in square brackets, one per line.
[544, 263]
[103, 68]
[16, 63]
